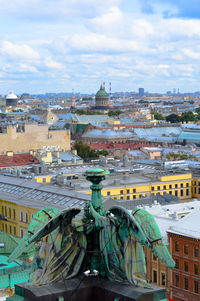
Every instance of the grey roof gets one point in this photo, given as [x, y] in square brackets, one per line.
[96, 119]
[108, 134]
[38, 196]
[68, 156]
[158, 131]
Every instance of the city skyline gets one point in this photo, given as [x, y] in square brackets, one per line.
[49, 46]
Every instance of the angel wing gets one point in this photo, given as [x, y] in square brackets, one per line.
[61, 254]
[123, 254]
[153, 235]
[37, 222]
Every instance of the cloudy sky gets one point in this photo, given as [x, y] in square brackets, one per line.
[60, 45]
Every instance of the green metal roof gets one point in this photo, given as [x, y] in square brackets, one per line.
[10, 243]
[101, 93]
[13, 272]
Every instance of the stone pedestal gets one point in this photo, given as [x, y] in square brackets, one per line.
[87, 289]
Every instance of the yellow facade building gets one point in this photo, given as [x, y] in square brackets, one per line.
[22, 139]
[179, 185]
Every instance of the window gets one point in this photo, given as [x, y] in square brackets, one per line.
[154, 276]
[196, 286]
[163, 279]
[108, 192]
[170, 186]
[186, 249]
[177, 264]
[128, 197]
[128, 190]
[181, 185]
[134, 190]
[196, 269]
[158, 187]
[21, 216]
[186, 283]
[195, 190]
[177, 280]
[181, 192]
[121, 191]
[140, 196]
[164, 187]
[154, 258]
[26, 218]
[176, 192]
[199, 191]
[196, 251]
[10, 212]
[2, 210]
[170, 192]
[10, 229]
[14, 214]
[134, 197]
[185, 266]
[199, 183]
[121, 197]
[176, 246]
[187, 191]
[152, 188]
[187, 184]
[5, 211]
[21, 233]
[176, 185]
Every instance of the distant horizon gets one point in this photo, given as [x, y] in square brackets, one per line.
[64, 45]
[93, 93]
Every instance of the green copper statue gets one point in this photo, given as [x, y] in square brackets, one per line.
[107, 243]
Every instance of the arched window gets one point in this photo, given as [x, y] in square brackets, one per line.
[176, 246]
[14, 214]
[26, 218]
[21, 216]
[21, 233]
[186, 249]
[196, 251]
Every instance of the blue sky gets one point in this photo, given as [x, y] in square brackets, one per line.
[60, 45]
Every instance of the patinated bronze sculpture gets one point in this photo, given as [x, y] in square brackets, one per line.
[108, 243]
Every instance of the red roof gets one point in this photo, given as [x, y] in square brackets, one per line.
[98, 146]
[17, 160]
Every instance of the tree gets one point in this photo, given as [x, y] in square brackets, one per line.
[173, 118]
[84, 151]
[187, 116]
[158, 116]
[143, 101]
[115, 113]
[197, 110]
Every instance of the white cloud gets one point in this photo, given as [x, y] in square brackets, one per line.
[191, 53]
[51, 64]
[17, 51]
[100, 42]
[18, 68]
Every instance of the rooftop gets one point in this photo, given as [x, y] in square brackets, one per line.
[188, 226]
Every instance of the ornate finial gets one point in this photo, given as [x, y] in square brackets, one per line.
[96, 175]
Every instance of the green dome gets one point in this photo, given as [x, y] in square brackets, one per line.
[101, 92]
